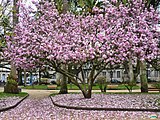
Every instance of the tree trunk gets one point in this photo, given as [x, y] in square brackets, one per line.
[131, 74]
[143, 77]
[63, 83]
[25, 77]
[39, 80]
[31, 78]
[87, 94]
[20, 77]
[63, 78]
[15, 21]
[15, 12]
[13, 72]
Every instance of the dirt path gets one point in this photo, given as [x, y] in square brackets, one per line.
[38, 94]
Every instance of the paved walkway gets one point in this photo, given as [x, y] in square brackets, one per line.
[36, 93]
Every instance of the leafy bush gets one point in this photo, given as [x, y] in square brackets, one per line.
[58, 81]
[157, 85]
[11, 86]
[44, 81]
[101, 80]
[129, 85]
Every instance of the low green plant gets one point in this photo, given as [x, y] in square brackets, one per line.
[11, 86]
[44, 81]
[129, 85]
[58, 82]
[101, 80]
[157, 85]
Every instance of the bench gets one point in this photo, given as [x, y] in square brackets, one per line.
[51, 87]
[112, 87]
[153, 89]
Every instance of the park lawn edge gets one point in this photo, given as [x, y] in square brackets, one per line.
[15, 105]
[44, 87]
[106, 108]
[21, 94]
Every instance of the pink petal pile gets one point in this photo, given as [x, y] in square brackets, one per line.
[138, 101]
[8, 101]
[43, 109]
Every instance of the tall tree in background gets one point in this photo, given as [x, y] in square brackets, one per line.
[13, 72]
[140, 68]
[143, 66]
[11, 85]
[5, 27]
[156, 62]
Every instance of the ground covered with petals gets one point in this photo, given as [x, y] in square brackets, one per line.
[138, 101]
[9, 101]
[43, 109]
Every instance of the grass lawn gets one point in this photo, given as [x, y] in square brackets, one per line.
[96, 87]
[73, 87]
[2, 94]
[122, 87]
[37, 87]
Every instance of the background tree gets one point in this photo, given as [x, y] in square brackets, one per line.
[13, 72]
[140, 68]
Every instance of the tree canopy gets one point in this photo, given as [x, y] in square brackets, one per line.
[119, 34]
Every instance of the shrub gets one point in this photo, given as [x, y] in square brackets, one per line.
[44, 81]
[11, 86]
[58, 81]
[157, 85]
[101, 80]
[129, 85]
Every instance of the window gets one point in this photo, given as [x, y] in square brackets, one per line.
[118, 74]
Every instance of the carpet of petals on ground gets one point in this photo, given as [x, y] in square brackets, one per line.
[8, 101]
[43, 109]
[138, 101]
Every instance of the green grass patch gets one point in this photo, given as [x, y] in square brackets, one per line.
[53, 94]
[122, 87]
[36, 87]
[96, 87]
[73, 87]
[22, 94]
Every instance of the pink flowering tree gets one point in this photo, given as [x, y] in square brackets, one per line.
[141, 36]
[87, 43]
